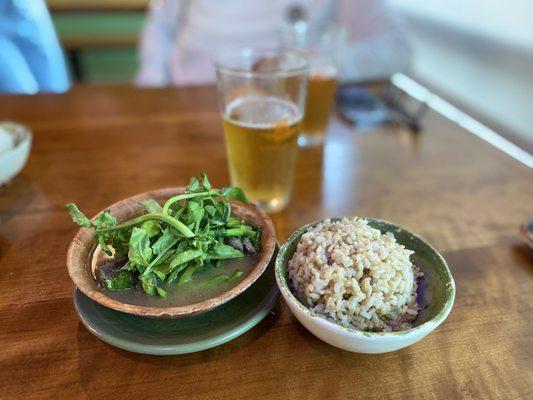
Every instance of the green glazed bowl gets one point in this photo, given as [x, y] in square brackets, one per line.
[435, 298]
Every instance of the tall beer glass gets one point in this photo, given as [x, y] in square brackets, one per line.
[261, 98]
[323, 48]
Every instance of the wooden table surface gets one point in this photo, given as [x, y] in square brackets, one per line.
[97, 145]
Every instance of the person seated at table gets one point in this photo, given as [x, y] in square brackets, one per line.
[31, 59]
[181, 38]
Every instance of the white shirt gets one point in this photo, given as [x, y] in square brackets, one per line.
[181, 38]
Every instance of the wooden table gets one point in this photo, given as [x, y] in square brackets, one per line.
[96, 145]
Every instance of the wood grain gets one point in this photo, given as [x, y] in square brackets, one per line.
[97, 145]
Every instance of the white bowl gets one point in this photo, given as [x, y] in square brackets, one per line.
[13, 160]
[437, 299]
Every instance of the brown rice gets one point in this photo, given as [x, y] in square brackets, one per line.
[352, 273]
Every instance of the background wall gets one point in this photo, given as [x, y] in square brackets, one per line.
[479, 55]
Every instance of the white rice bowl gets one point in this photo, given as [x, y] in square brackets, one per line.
[356, 276]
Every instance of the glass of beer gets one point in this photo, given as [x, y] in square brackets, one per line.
[323, 49]
[261, 98]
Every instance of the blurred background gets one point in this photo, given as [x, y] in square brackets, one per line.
[100, 37]
[477, 54]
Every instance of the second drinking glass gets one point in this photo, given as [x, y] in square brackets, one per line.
[323, 47]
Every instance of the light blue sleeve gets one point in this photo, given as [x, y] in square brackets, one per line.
[15, 75]
[31, 59]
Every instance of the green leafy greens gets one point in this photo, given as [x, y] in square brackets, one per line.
[169, 243]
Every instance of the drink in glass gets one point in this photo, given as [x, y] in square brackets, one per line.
[323, 50]
[320, 91]
[261, 99]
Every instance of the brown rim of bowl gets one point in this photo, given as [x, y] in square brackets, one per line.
[83, 245]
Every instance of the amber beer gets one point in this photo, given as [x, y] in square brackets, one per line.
[261, 139]
[320, 91]
[261, 99]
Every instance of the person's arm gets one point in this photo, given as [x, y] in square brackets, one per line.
[376, 46]
[157, 41]
[15, 76]
[31, 48]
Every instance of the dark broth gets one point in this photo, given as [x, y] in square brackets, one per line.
[194, 291]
